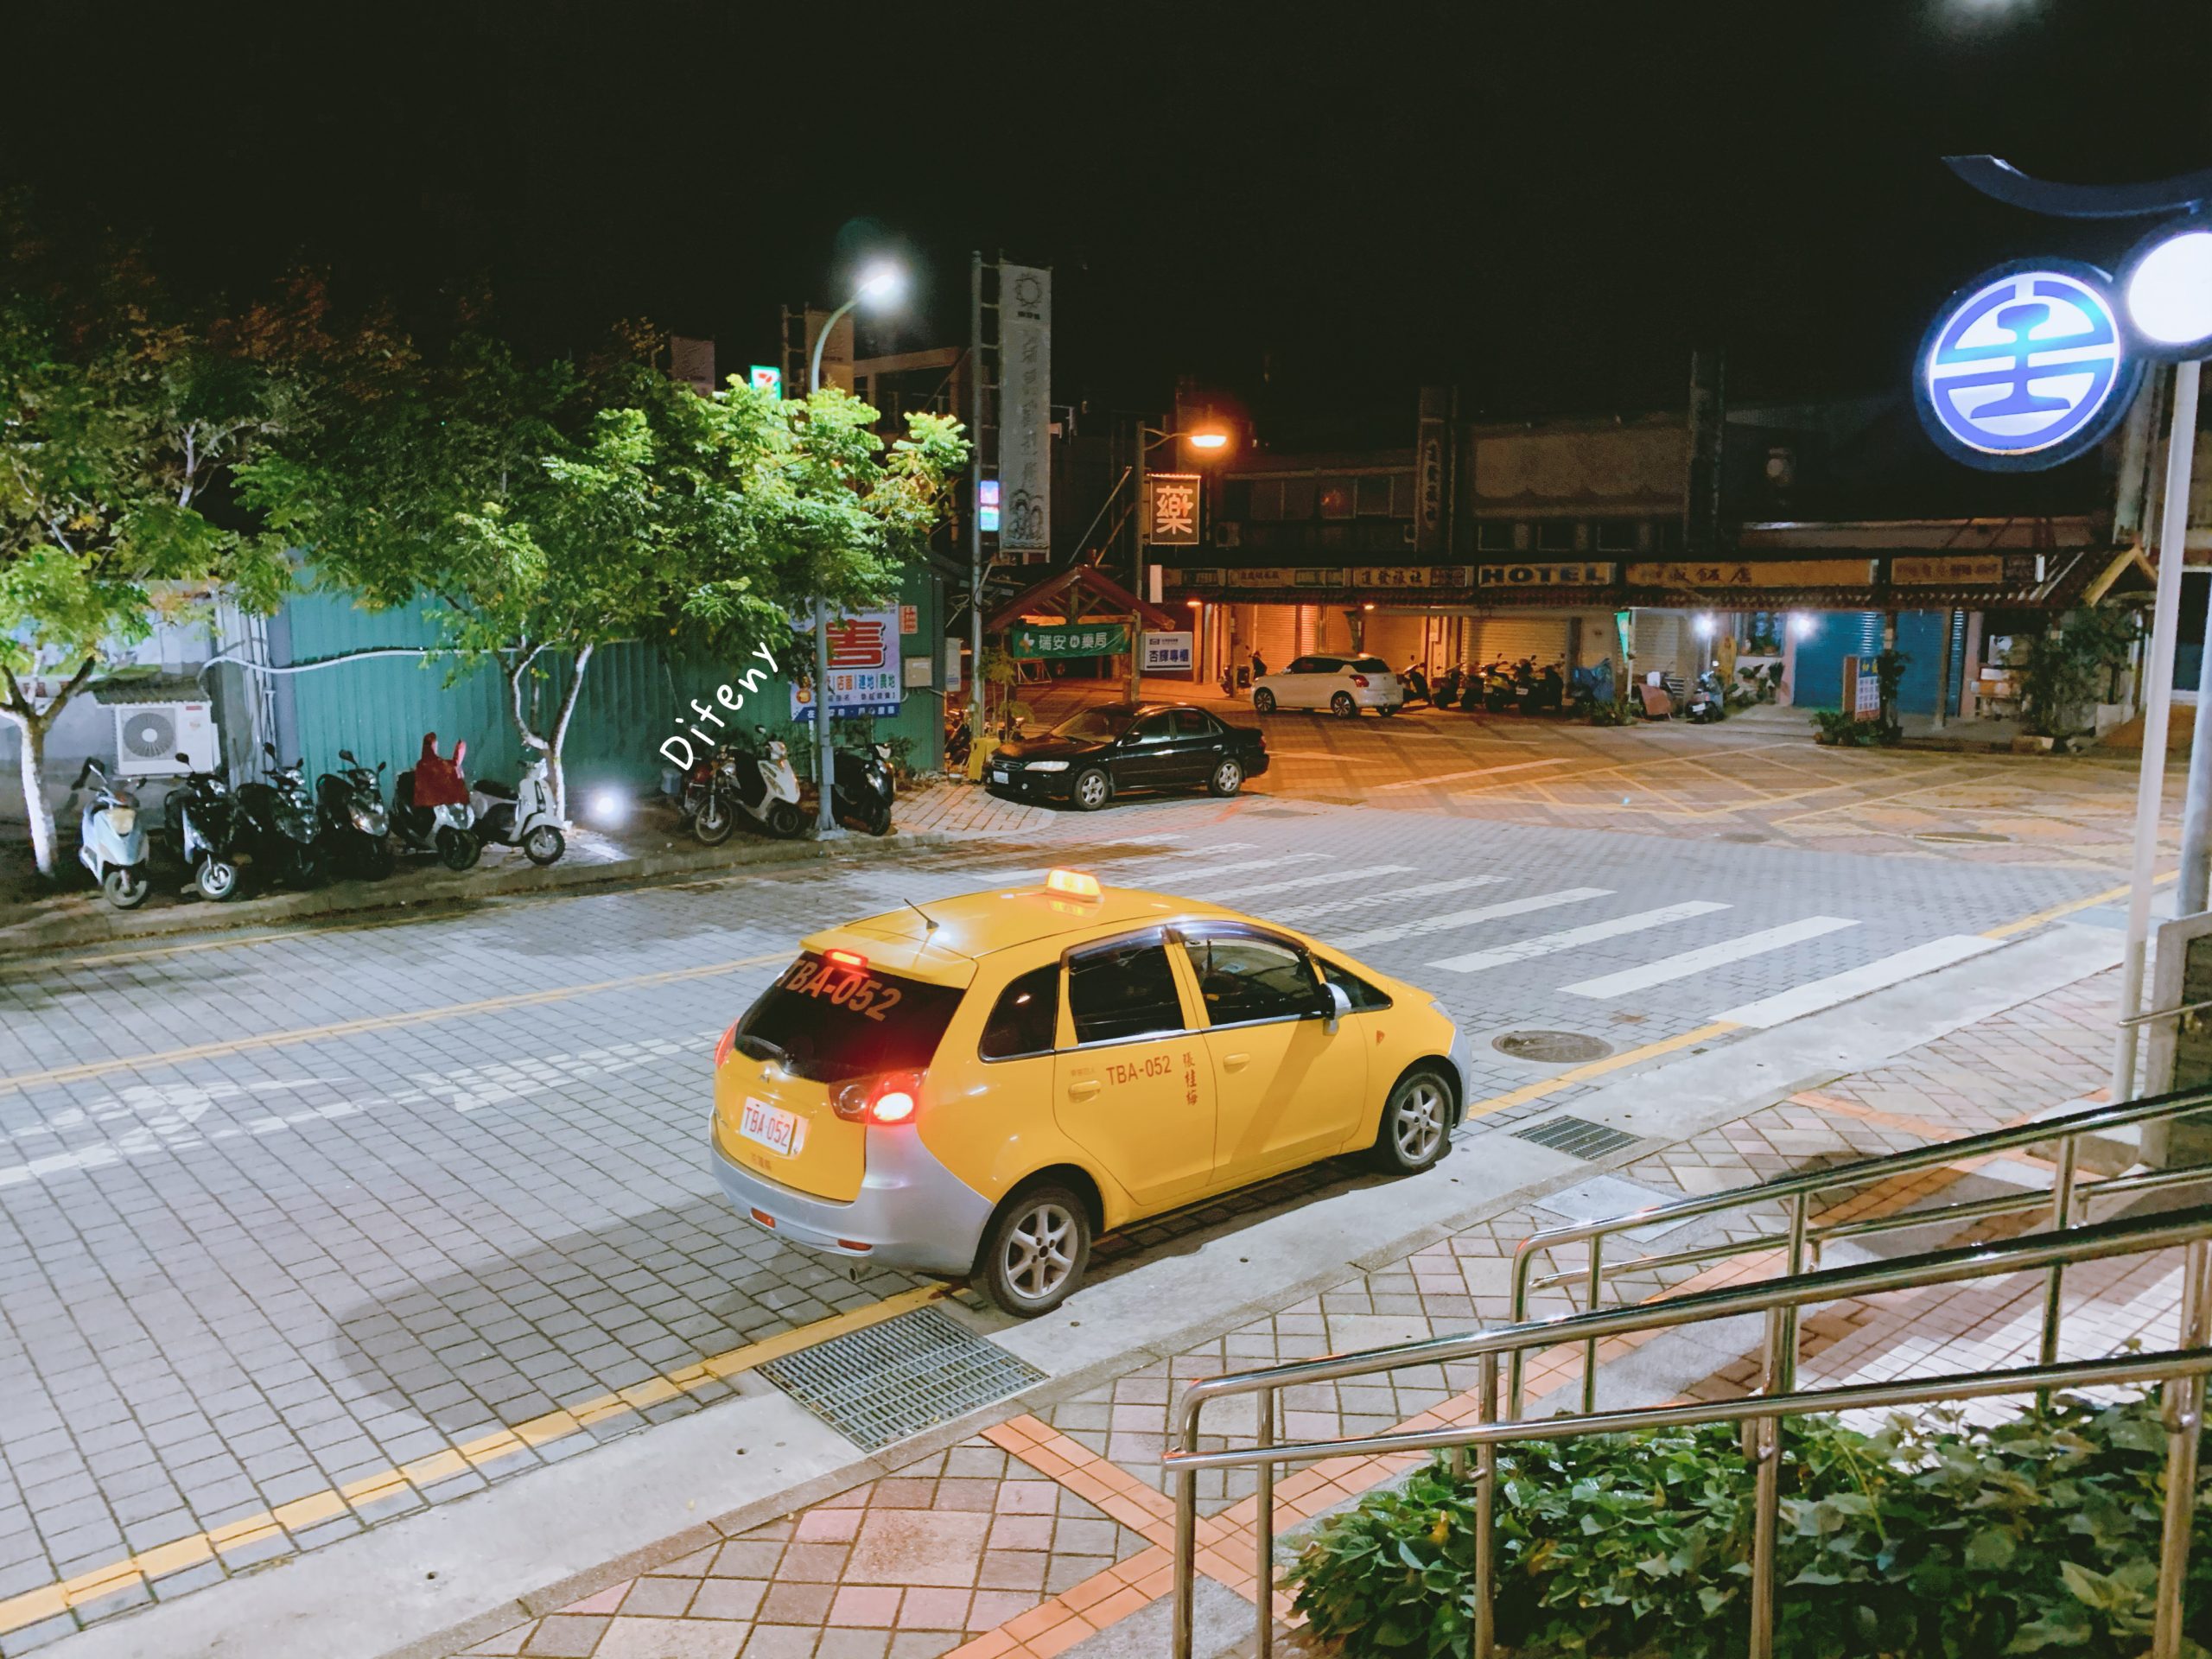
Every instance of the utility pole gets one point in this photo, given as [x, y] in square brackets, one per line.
[1136, 572]
[975, 496]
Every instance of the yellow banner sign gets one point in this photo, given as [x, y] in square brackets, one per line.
[1705, 575]
[1949, 567]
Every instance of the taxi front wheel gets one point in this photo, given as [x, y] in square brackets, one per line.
[1417, 1124]
[1034, 1252]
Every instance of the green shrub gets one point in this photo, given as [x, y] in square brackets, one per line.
[1929, 1540]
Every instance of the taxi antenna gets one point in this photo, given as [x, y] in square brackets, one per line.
[929, 922]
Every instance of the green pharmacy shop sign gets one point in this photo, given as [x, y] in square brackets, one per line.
[1075, 640]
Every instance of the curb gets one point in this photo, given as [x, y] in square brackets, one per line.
[441, 889]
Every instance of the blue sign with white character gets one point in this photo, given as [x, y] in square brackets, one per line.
[2026, 368]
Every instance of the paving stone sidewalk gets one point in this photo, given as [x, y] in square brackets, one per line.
[1049, 1531]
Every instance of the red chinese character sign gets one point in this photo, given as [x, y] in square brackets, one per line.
[864, 674]
[1171, 509]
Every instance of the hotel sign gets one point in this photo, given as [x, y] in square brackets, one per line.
[1574, 574]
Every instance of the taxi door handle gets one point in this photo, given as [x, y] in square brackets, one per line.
[1235, 1062]
[1083, 1090]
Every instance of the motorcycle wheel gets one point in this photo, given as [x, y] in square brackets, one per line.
[305, 869]
[879, 818]
[377, 861]
[784, 820]
[545, 845]
[127, 887]
[216, 879]
[713, 822]
[457, 849]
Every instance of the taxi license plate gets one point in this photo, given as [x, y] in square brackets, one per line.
[773, 1126]
[999, 777]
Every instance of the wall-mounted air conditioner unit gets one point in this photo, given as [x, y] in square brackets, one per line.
[149, 737]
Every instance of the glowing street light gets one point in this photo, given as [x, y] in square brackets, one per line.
[1207, 438]
[2167, 285]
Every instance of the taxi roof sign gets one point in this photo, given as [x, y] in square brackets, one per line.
[1074, 883]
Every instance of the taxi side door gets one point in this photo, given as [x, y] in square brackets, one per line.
[1290, 1064]
[1132, 1085]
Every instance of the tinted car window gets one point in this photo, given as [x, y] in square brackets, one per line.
[1194, 722]
[1245, 978]
[1361, 994]
[825, 1021]
[1371, 666]
[1154, 729]
[1026, 1018]
[1303, 665]
[1096, 724]
[1121, 991]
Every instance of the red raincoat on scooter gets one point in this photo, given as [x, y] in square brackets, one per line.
[438, 781]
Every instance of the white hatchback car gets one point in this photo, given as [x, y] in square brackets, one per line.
[1343, 685]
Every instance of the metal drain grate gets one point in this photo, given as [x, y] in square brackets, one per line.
[900, 1377]
[1577, 1137]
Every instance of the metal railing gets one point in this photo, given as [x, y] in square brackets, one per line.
[2182, 1370]
[1804, 1236]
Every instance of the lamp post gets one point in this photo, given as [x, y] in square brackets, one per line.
[879, 285]
[1212, 438]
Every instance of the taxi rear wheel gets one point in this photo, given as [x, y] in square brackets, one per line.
[1416, 1128]
[1035, 1250]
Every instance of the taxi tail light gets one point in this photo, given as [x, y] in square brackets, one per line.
[1360, 680]
[722, 1048]
[890, 1098]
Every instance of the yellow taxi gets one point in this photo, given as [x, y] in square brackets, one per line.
[981, 1085]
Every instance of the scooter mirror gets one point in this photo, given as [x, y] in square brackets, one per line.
[184, 759]
[381, 764]
[347, 755]
[269, 749]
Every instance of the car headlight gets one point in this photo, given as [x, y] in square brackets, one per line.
[1045, 765]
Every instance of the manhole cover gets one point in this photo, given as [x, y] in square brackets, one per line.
[900, 1377]
[1962, 837]
[1552, 1047]
[1577, 1137]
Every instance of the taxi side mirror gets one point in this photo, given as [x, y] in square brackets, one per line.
[1335, 1006]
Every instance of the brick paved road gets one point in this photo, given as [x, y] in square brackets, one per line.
[277, 1217]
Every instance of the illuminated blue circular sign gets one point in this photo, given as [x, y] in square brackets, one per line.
[2026, 368]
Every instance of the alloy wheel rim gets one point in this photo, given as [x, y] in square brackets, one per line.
[1094, 789]
[1228, 777]
[1039, 1255]
[1420, 1123]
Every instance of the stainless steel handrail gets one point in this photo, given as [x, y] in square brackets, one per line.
[1802, 1240]
[2182, 1370]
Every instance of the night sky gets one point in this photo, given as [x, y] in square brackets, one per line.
[1311, 208]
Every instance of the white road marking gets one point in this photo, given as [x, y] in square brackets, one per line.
[1821, 994]
[1477, 771]
[1458, 919]
[1327, 877]
[986, 881]
[1687, 963]
[1545, 944]
[1330, 906]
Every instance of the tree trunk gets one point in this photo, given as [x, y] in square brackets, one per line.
[560, 777]
[34, 768]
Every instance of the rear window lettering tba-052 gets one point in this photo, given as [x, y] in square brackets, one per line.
[834, 1021]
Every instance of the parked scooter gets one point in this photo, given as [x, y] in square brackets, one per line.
[1708, 699]
[204, 819]
[1446, 690]
[277, 828]
[960, 738]
[522, 817]
[355, 827]
[430, 809]
[1496, 680]
[761, 786]
[862, 788]
[110, 842]
[1591, 688]
[1416, 684]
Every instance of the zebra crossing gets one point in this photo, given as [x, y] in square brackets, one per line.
[1372, 908]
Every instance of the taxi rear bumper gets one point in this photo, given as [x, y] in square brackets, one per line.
[911, 1212]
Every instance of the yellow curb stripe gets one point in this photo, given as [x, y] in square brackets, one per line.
[1543, 1086]
[378, 1022]
[48, 1600]
[2068, 909]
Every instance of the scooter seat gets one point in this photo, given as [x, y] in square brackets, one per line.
[496, 792]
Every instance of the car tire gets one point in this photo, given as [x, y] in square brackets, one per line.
[216, 879]
[1416, 1127]
[1228, 777]
[713, 821]
[1342, 707]
[1264, 701]
[1034, 1251]
[1091, 788]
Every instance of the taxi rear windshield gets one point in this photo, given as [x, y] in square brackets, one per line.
[828, 1020]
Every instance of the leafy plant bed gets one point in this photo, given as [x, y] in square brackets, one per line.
[1931, 1540]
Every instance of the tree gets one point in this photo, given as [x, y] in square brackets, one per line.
[117, 415]
[548, 510]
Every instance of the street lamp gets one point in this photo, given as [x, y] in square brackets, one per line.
[1212, 438]
[879, 285]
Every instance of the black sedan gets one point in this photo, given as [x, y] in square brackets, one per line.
[1105, 751]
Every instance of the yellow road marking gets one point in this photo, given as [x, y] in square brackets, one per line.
[50, 1600]
[2069, 907]
[377, 1023]
[1543, 1086]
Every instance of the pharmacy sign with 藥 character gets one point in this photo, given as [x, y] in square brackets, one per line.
[2025, 367]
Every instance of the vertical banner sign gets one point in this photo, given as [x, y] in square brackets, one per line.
[1026, 410]
[1171, 509]
[864, 674]
[1432, 478]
